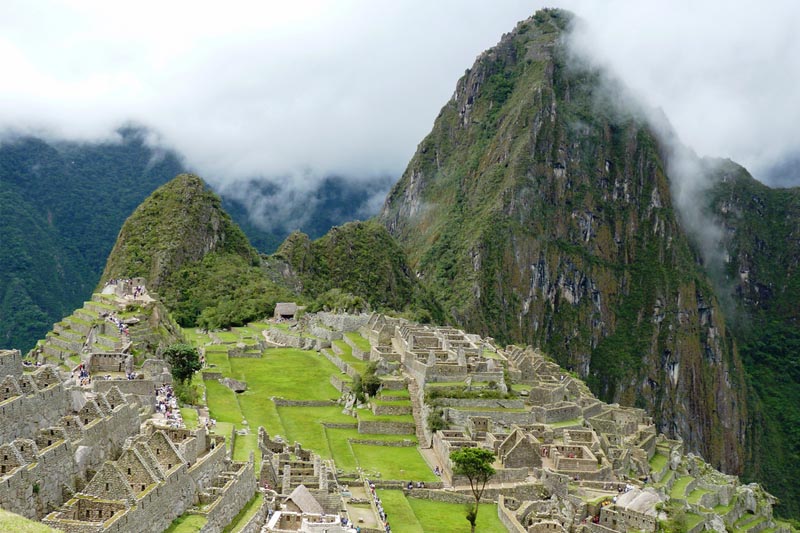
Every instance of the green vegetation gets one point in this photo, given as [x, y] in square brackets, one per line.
[20, 524]
[185, 361]
[187, 523]
[403, 463]
[476, 465]
[414, 515]
[355, 265]
[247, 512]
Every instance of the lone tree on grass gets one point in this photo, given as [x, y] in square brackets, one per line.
[185, 361]
[476, 465]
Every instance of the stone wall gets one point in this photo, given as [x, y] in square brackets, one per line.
[507, 517]
[237, 492]
[386, 428]
[10, 363]
[302, 342]
[24, 415]
[342, 321]
[52, 470]
[254, 524]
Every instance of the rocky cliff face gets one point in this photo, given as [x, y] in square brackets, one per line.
[538, 210]
[758, 277]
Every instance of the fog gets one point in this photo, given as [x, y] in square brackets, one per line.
[296, 91]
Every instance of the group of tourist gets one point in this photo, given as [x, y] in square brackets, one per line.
[167, 405]
[81, 375]
[379, 506]
[419, 485]
[121, 326]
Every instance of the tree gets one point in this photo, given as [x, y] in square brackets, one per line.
[184, 359]
[476, 465]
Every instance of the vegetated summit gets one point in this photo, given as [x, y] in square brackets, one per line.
[539, 210]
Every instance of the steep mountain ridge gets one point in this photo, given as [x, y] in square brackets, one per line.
[539, 211]
[759, 281]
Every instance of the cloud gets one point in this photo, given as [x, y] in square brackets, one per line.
[297, 91]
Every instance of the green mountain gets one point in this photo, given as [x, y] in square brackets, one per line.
[61, 205]
[760, 278]
[539, 211]
[194, 256]
[356, 260]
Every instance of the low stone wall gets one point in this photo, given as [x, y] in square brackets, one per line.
[408, 443]
[377, 427]
[481, 403]
[392, 410]
[339, 425]
[341, 365]
[302, 342]
[340, 384]
[212, 376]
[325, 333]
[342, 321]
[283, 402]
[439, 496]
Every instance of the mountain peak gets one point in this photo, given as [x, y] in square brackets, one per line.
[180, 222]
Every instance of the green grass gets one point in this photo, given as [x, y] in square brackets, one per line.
[399, 511]
[413, 515]
[692, 520]
[244, 445]
[393, 463]
[695, 495]
[245, 514]
[227, 336]
[360, 342]
[440, 517]
[304, 425]
[567, 423]
[679, 488]
[347, 356]
[396, 393]
[190, 417]
[342, 452]
[658, 462]
[218, 361]
[186, 523]
[222, 403]
[19, 524]
[281, 370]
[365, 414]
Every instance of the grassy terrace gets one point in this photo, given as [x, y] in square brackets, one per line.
[360, 342]
[186, 523]
[245, 514]
[346, 355]
[413, 515]
[658, 462]
[302, 375]
[679, 488]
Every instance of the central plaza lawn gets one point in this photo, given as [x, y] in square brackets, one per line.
[288, 373]
[414, 515]
[398, 463]
[190, 417]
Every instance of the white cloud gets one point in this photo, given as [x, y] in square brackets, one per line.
[301, 90]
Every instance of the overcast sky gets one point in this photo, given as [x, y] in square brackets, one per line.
[306, 89]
